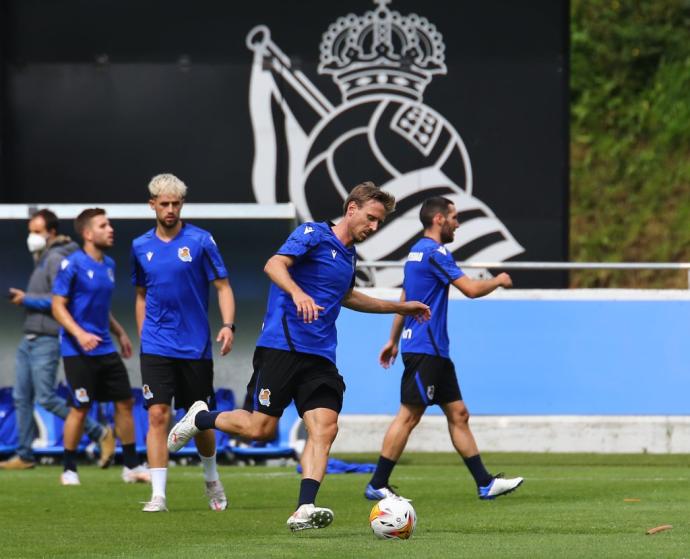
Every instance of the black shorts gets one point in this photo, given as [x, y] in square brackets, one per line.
[428, 380]
[281, 376]
[102, 378]
[185, 380]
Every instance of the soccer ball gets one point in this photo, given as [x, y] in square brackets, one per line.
[393, 518]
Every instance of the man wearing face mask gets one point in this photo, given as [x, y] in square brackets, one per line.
[38, 354]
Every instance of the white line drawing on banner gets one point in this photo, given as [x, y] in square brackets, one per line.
[381, 62]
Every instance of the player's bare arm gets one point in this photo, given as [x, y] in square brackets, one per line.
[390, 350]
[123, 339]
[474, 288]
[358, 301]
[86, 340]
[226, 304]
[140, 308]
[278, 270]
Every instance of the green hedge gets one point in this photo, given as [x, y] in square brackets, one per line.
[630, 138]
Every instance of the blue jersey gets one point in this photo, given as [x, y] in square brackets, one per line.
[324, 269]
[88, 285]
[429, 270]
[176, 275]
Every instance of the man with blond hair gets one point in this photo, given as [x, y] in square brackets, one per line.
[172, 266]
[313, 276]
[95, 372]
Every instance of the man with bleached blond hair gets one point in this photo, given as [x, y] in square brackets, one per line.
[172, 266]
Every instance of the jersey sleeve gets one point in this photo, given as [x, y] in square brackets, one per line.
[443, 266]
[213, 261]
[136, 271]
[300, 241]
[63, 281]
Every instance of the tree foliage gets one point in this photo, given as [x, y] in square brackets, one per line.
[630, 138]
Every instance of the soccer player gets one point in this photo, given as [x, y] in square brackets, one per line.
[82, 293]
[313, 275]
[429, 376]
[172, 266]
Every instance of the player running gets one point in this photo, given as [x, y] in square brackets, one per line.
[82, 293]
[313, 275]
[429, 376]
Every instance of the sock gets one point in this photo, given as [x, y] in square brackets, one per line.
[70, 460]
[476, 467]
[308, 489]
[159, 477]
[206, 420]
[383, 473]
[129, 455]
[210, 470]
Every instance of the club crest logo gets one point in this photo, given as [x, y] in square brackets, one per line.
[381, 62]
[149, 255]
[265, 397]
[111, 275]
[146, 392]
[81, 395]
[90, 274]
[184, 254]
[430, 391]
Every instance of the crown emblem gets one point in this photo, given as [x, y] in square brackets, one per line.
[382, 52]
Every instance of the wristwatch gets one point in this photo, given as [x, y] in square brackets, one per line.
[230, 325]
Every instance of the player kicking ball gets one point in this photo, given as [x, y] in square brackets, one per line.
[313, 275]
[429, 376]
[82, 293]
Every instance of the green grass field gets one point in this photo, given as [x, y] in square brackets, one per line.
[569, 506]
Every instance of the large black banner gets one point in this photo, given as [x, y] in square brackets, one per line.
[275, 101]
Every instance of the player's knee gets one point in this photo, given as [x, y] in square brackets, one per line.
[324, 431]
[125, 405]
[462, 416]
[158, 419]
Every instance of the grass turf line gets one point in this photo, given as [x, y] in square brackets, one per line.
[569, 506]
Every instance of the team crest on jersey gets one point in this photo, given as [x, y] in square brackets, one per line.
[430, 390]
[149, 255]
[111, 275]
[81, 395]
[64, 263]
[334, 252]
[265, 397]
[184, 254]
[146, 391]
[90, 274]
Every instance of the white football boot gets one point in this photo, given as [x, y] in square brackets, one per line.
[308, 516]
[140, 474]
[156, 504]
[499, 486]
[184, 430]
[68, 477]
[216, 495]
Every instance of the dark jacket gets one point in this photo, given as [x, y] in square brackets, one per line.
[39, 319]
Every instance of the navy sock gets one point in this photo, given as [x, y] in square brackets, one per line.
[129, 455]
[307, 491]
[383, 473]
[70, 460]
[476, 467]
[206, 420]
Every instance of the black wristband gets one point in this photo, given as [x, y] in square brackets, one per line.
[230, 325]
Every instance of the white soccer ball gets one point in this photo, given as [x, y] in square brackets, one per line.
[393, 518]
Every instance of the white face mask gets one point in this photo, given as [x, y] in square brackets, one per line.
[35, 242]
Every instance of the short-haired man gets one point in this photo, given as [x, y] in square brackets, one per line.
[172, 266]
[313, 276]
[429, 377]
[82, 294]
[38, 355]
